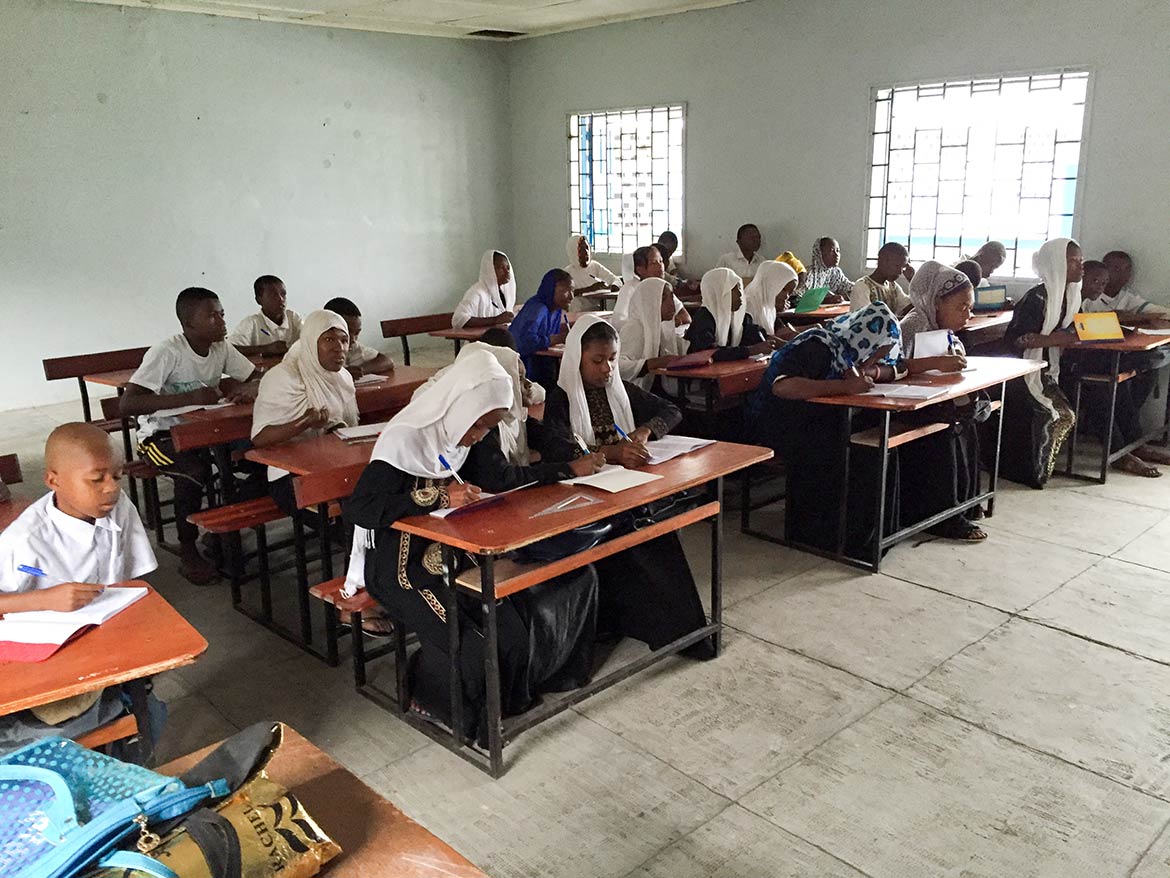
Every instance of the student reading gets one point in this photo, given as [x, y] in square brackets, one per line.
[588, 274]
[274, 328]
[491, 300]
[881, 285]
[82, 535]
[187, 369]
[361, 359]
[546, 633]
[647, 592]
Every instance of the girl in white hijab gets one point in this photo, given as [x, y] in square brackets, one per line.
[545, 635]
[722, 323]
[1038, 419]
[773, 283]
[491, 299]
[588, 274]
[648, 333]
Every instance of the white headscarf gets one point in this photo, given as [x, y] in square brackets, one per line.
[1050, 263]
[299, 382]
[513, 435]
[716, 287]
[628, 273]
[487, 277]
[434, 421]
[641, 334]
[570, 382]
[932, 282]
[759, 299]
[571, 248]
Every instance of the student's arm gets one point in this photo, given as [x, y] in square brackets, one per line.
[380, 363]
[275, 349]
[953, 363]
[138, 400]
[475, 322]
[558, 337]
[682, 317]
[487, 467]
[243, 379]
[274, 434]
[555, 440]
[63, 598]
[655, 417]
[803, 375]
[385, 494]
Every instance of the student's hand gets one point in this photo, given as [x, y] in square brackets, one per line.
[949, 363]
[631, 455]
[852, 385]
[641, 435]
[355, 372]
[506, 317]
[69, 596]
[785, 332]
[587, 465]
[316, 419]
[559, 338]
[908, 272]
[275, 349]
[658, 363]
[205, 396]
[243, 392]
[764, 347]
[461, 495]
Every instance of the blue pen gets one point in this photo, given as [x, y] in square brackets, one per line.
[621, 432]
[31, 571]
[950, 342]
[266, 332]
[451, 469]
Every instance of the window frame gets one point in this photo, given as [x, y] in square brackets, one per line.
[663, 104]
[1090, 73]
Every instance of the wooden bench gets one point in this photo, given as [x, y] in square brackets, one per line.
[405, 327]
[79, 366]
[10, 473]
[335, 604]
[134, 470]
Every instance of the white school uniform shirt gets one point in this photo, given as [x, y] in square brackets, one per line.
[867, 291]
[735, 260]
[359, 354]
[256, 329]
[1125, 300]
[590, 274]
[111, 550]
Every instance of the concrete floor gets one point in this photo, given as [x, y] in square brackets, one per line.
[989, 710]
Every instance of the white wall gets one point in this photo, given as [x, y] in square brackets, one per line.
[777, 98]
[142, 152]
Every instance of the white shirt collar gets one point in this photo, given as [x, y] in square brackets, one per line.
[77, 530]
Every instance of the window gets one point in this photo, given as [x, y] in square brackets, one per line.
[957, 164]
[626, 176]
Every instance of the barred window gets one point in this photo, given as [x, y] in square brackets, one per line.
[626, 176]
[957, 164]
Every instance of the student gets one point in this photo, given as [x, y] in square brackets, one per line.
[989, 258]
[308, 393]
[83, 535]
[646, 592]
[667, 244]
[542, 323]
[1119, 296]
[722, 323]
[545, 633]
[361, 359]
[881, 285]
[647, 334]
[825, 271]
[188, 369]
[1037, 417]
[745, 259]
[971, 268]
[789, 259]
[1130, 395]
[491, 299]
[272, 331]
[587, 273]
[646, 262]
[767, 295]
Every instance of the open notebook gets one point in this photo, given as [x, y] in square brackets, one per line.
[36, 635]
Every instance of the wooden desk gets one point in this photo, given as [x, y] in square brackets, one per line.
[475, 333]
[119, 378]
[986, 328]
[602, 296]
[145, 639]
[1134, 342]
[986, 372]
[721, 381]
[303, 457]
[825, 312]
[495, 531]
[377, 840]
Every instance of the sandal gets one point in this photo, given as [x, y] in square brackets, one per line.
[959, 529]
[372, 626]
[1135, 466]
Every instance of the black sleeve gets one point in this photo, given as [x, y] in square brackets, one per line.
[1027, 317]
[811, 359]
[701, 335]
[555, 440]
[752, 333]
[487, 467]
[383, 495]
[660, 415]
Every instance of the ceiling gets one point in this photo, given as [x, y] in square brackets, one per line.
[442, 18]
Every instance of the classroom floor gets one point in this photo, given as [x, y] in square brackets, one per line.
[986, 710]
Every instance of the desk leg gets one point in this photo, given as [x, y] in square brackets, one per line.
[883, 469]
[455, 675]
[139, 693]
[302, 577]
[1107, 444]
[717, 568]
[491, 664]
[710, 388]
[326, 575]
[128, 453]
[458, 345]
[85, 409]
[843, 514]
[994, 480]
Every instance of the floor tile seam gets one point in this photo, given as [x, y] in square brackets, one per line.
[1052, 626]
[678, 840]
[824, 850]
[1145, 853]
[1086, 491]
[905, 689]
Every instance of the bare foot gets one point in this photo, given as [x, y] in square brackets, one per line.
[1137, 467]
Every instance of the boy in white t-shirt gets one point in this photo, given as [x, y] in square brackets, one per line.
[1131, 307]
[59, 555]
[745, 259]
[881, 285]
[361, 359]
[188, 369]
[273, 330]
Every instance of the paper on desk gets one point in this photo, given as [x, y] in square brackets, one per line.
[1144, 331]
[369, 379]
[50, 626]
[905, 391]
[670, 447]
[483, 500]
[936, 343]
[365, 431]
[614, 479]
[186, 409]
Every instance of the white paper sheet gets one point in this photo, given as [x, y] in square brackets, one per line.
[614, 479]
[365, 431]
[369, 379]
[936, 343]
[905, 391]
[50, 626]
[670, 447]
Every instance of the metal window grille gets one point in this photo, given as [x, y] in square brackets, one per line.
[957, 164]
[626, 176]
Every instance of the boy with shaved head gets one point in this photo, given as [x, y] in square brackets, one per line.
[61, 553]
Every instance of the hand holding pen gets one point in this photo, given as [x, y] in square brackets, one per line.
[64, 597]
[459, 493]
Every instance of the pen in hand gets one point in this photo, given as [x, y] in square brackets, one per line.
[451, 469]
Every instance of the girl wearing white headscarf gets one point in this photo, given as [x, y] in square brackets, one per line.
[722, 323]
[307, 393]
[767, 292]
[491, 299]
[545, 635]
[588, 274]
[648, 332]
[824, 270]
[647, 592]
[1038, 416]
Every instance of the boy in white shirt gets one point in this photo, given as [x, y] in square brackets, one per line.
[272, 331]
[188, 369]
[745, 258]
[1131, 307]
[588, 274]
[361, 359]
[82, 536]
[881, 285]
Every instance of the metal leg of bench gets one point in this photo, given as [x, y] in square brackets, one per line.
[883, 468]
[745, 501]
[331, 633]
[455, 675]
[326, 575]
[264, 574]
[1107, 442]
[717, 567]
[843, 513]
[1074, 433]
[359, 648]
[86, 411]
[302, 578]
[993, 481]
[405, 351]
[150, 488]
[491, 664]
[399, 666]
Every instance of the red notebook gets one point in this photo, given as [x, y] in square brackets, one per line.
[690, 361]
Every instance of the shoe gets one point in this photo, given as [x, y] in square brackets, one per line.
[196, 569]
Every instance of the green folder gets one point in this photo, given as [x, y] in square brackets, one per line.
[811, 300]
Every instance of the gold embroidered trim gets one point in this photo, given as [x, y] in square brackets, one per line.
[432, 559]
[435, 604]
[424, 496]
[403, 556]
